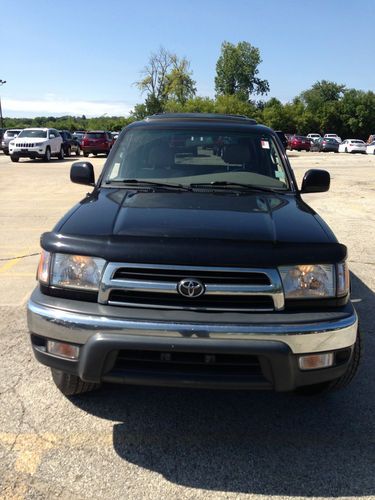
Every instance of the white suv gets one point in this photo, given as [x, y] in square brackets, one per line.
[333, 136]
[37, 143]
[314, 137]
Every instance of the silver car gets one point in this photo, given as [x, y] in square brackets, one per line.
[7, 137]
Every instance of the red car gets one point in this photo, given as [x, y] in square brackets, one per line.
[96, 142]
[299, 142]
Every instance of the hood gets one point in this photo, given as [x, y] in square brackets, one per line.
[174, 225]
[35, 140]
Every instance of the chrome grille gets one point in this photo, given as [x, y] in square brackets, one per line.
[226, 288]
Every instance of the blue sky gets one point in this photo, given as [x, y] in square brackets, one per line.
[83, 57]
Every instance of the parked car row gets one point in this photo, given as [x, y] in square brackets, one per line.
[327, 143]
[47, 142]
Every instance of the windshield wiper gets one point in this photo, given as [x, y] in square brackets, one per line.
[140, 183]
[224, 184]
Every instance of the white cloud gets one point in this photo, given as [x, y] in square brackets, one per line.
[54, 107]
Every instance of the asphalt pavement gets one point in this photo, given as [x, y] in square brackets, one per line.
[138, 442]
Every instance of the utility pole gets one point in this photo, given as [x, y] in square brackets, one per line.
[1, 112]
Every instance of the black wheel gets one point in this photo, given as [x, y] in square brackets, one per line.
[47, 154]
[78, 151]
[341, 382]
[70, 384]
[61, 155]
[68, 151]
[85, 155]
[14, 158]
[346, 150]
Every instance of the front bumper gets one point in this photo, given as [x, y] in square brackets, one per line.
[105, 333]
[28, 153]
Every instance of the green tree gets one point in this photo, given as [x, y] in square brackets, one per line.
[321, 93]
[224, 104]
[165, 77]
[234, 105]
[193, 105]
[322, 102]
[179, 84]
[237, 70]
[358, 113]
[273, 114]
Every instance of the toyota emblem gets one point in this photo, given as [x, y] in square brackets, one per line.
[190, 288]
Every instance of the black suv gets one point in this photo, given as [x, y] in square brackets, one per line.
[188, 268]
[70, 143]
[282, 137]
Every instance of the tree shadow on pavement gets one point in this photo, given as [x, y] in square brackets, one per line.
[252, 442]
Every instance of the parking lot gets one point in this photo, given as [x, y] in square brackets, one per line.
[135, 442]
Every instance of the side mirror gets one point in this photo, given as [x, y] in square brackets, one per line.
[315, 181]
[82, 172]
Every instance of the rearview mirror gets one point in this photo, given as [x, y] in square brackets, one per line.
[82, 172]
[315, 181]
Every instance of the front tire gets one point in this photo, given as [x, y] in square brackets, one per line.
[86, 155]
[61, 155]
[47, 154]
[68, 151]
[71, 385]
[14, 158]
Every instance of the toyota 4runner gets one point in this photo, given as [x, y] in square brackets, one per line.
[188, 268]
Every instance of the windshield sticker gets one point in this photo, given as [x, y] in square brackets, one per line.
[265, 144]
[115, 171]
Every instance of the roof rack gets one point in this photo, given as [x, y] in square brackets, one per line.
[201, 116]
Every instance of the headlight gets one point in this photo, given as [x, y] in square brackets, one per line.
[11, 144]
[44, 267]
[70, 271]
[77, 271]
[343, 279]
[307, 281]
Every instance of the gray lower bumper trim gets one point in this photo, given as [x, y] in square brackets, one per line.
[75, 327]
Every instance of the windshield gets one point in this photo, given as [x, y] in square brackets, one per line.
[12, 133]
[41, 134]
[198, 156]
